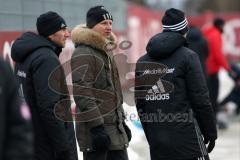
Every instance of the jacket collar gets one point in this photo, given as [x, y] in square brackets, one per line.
[56, 48]
[83, 35]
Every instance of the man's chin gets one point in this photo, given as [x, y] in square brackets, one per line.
[107, 35]
[63, 44]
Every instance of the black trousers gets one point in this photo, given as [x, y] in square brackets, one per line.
[200, 158]
[106, 155]
[213, 86]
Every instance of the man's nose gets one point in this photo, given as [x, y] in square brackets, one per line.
[109, 26]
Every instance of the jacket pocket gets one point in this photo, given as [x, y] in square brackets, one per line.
[117, 138]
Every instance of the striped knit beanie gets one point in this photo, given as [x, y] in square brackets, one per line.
[96, 15]
[174, 20]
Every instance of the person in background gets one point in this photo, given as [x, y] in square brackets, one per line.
[42, 80]
[103, 134]
[172, 97]
[215, 60]
[16, 136]
[198, 44]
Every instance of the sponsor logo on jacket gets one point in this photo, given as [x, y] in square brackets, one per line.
[21, 74]
[159, 71]
[157, 92]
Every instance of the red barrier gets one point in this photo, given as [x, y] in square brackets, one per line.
[143, 24]
[6, 41]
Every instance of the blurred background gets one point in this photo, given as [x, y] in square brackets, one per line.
[135, 22]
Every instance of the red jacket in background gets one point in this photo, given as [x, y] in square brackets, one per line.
[215, 59]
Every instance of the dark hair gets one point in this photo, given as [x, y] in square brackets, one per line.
[217, 22]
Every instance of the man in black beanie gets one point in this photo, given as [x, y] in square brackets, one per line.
[172, 97]
[103, 135]
[36, 57]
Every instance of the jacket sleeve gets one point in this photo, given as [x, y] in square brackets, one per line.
[83, 78]
[199, 97]
[47, 99]
[19, 130]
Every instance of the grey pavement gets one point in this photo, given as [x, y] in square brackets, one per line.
[228, 143]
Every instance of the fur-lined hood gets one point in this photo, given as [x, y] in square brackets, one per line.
[83, 35]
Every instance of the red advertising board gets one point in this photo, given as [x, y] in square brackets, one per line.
[6, 41]
[142, 25]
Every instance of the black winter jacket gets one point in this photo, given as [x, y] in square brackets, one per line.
[36, 59]
[172, 99]
[15, 128]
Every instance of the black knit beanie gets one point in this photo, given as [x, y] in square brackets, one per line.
[174, 20]
[49, 23]
[96, 15]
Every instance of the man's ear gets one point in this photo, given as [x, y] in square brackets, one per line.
[50, 36]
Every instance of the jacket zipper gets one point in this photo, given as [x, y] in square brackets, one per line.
[111, 73]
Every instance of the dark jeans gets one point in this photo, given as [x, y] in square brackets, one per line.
[213, 86]
[106, 155]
